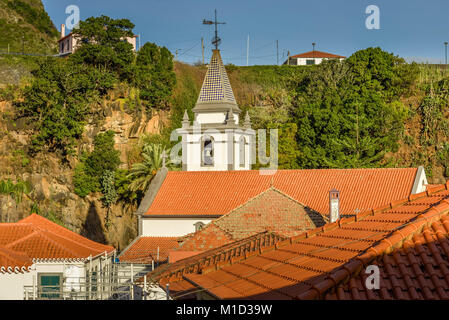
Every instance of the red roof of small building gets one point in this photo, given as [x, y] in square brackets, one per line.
[271, 210]
[317, 54]
[214, 193]
[408, 240]
[40, 238]
[145, 249]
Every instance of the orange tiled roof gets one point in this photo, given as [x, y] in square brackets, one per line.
[40, 238]
[407, 239]
[144, 249]
[317, 54]
[271, 210]
[10, 260]
[218, 192]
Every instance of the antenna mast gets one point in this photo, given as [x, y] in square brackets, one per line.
[216, 40]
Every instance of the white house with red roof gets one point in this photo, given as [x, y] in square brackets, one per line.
[68, 44]
[311, 58]
[40, 259]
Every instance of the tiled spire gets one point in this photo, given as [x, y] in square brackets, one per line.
[216, 92]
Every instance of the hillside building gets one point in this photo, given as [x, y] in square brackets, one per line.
[311, 58]
[68, 44]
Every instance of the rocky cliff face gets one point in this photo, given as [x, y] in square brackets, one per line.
[51, 180]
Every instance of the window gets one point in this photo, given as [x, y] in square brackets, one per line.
[207, 151]
[198, 226]
[242, 142]
[310, 62]
[50, 285]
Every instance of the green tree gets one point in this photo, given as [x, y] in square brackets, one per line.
[109, 198]
[154, 74]
[92, 167]
[103, 43]
[58, 100]
[349, 113]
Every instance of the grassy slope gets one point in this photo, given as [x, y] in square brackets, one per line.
[266, 85]
[27, 19]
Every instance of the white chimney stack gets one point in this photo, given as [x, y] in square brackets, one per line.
[62, 31]
[334, 205]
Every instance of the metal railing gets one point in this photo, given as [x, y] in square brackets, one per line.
[116, 284]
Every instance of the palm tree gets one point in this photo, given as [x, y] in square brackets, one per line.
[142, 173]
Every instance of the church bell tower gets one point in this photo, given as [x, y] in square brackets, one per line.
[216, 141]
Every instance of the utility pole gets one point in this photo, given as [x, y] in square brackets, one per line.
[277, 52]
[202, 48]
[23, 44]
[445, 49]
[176, 57]
[247, 51]
[313, 45]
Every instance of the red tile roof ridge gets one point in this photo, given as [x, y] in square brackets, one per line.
[43, 223]
[212, 254]
[44, 234]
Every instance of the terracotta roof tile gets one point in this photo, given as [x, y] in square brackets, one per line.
[183, 192]
[144, 249]
[10, 259]
[412, 256]
[40, 238]
[316, 54]
[269, 211]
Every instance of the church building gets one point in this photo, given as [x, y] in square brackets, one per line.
[217, 180]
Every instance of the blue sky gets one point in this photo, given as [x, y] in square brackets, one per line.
[413, 29]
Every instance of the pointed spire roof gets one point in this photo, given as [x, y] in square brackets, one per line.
[216, 93]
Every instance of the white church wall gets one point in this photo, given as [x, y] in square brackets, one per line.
[214, 117]
[170, 227]
[194, 152]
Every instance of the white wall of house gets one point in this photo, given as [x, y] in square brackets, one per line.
[14, 285]
[303, 61]
[170, 227]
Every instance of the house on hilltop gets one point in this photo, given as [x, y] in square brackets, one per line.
[68, 44]
[311, 58]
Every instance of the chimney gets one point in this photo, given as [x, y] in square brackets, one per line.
[334, 205]
[62, 31]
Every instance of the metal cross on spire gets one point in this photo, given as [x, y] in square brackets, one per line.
[216, 40]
